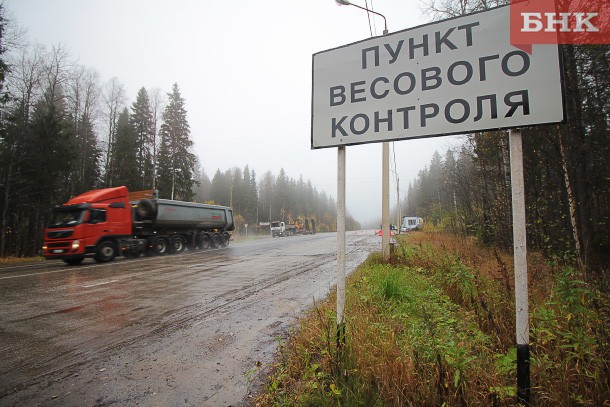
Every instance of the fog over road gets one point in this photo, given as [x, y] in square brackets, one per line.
[167, 331]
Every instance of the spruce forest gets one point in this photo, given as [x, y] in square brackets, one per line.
[63, 132]
[567, 171]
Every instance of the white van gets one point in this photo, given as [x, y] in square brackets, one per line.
[411, 223]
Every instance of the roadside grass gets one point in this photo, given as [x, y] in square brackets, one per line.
[12, 260]
[435, 326]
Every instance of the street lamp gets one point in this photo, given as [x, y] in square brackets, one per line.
[347, 3]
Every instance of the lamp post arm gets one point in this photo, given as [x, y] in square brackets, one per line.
[385, 24]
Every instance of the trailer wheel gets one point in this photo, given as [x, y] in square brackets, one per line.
[204, 242]
[177, 244]
[225, 239]
[75, 261]
[215, 240]
[105, 252]
[160, 246]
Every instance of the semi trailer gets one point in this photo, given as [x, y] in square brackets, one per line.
[110, 222]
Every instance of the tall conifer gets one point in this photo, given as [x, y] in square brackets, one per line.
[142, 122]
[176, 163]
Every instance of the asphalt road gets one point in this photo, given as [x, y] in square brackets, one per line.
[194, 329]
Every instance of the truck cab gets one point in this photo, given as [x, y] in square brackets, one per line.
[278, 229]
[80, 227]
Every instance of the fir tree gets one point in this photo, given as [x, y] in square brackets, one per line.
[176, 164]
[142, 122]
[125, 171]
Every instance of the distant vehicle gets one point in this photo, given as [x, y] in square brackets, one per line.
[279, 228]
[310, 227]
[411, 223]
[282, 229]
[106, 223]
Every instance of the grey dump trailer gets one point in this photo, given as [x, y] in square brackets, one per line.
[165, 226]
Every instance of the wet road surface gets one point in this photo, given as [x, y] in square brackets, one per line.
[182, 330]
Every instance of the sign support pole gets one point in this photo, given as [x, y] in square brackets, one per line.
[520, 262]
[340, 246]
[385, 200]
[385, 195]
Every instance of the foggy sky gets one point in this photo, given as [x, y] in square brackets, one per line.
[244, 70]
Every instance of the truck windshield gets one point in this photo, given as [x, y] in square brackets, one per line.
[63, 218]
[275, 224]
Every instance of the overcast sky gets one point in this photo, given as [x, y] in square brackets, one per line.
[244, 70]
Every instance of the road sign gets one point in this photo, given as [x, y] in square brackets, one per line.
[451, 77]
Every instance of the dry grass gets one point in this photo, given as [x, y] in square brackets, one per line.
[435, 326]
[13, 260]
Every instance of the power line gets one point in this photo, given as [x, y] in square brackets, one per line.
[374, 25]
[398, 214]
[368, 15]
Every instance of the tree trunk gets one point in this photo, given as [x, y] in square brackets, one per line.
[571, 200]
[6, 203]
[576, 163]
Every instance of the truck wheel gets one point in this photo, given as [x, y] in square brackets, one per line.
[149, 247]
[75, 261]
[204, 242]
[177, 244]
[105, 252]
[160, 246]
[215, 240]
[225, 239]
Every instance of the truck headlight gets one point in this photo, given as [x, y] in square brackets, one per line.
[75, 245]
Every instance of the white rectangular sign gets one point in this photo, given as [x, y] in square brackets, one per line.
[455, 76]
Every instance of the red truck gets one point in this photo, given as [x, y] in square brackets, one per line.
[106, 223]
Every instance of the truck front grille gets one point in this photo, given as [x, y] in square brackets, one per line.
[59, 234]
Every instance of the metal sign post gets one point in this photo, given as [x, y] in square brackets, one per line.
[520, 262]
[340, 245]
[385, 201]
